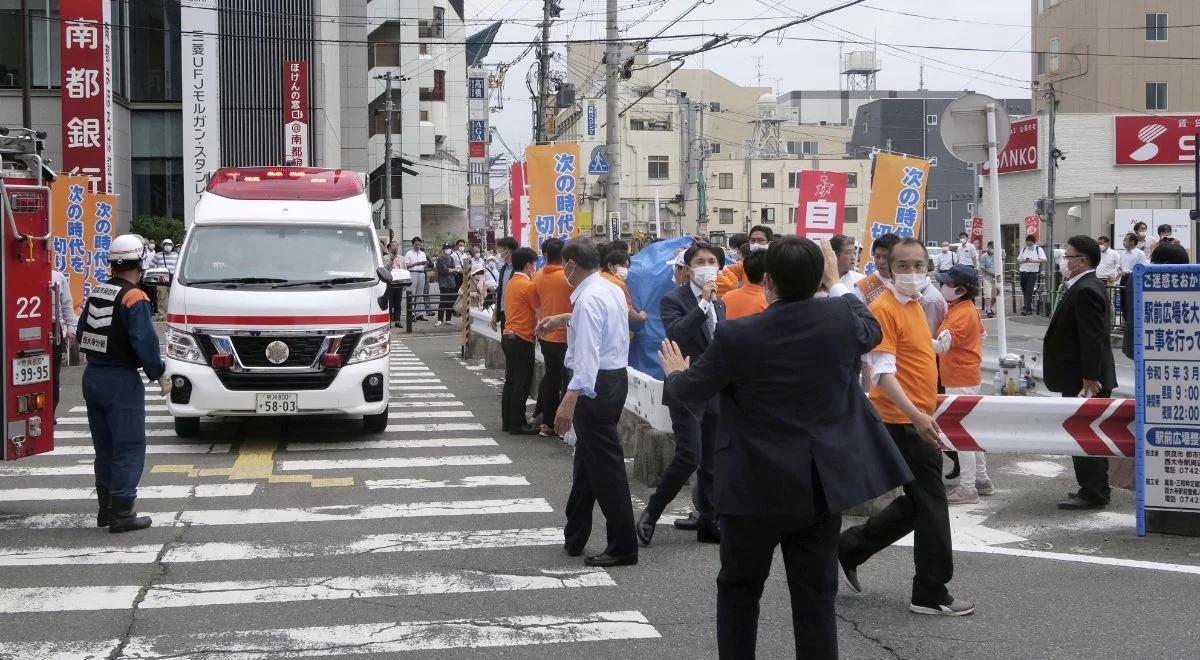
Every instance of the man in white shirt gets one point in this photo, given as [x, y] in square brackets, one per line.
[597, 356]
[967, 254]
[1029, 264]
[946, 258]
[1109, 269]
[987, 271]
[847, 255]
[416, 262]
[1132, 255]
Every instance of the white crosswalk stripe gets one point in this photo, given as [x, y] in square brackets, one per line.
[302, 465]
[422, 443]
[417, 388]
[465, 482]
[87, 450]
[429, 414]
[144, 492]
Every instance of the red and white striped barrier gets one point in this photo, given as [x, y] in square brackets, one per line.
[1037, 425]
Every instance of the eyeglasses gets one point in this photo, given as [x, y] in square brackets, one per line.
[1068, 257]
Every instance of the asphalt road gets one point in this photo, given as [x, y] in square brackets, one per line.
[440, 539]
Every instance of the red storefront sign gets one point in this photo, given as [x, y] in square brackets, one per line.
[1021, 154]
[976, 232]
[821, 206]
[476, 150]
[295, 112]
[1033, 225]
[516, 187]
[1150, 140]
[85, 54]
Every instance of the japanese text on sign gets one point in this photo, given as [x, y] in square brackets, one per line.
[897, 201]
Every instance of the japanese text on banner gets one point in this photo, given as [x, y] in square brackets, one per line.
[82, 231]
[897, 202]
[821, 205]
[553, 172]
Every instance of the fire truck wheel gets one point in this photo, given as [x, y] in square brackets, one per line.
[375, 423]
[186, 427]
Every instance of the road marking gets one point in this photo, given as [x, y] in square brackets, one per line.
[393, 638]
[392, 462]
[431, 428]
[246, 592]
[424, 404]
[465, 482]
[256, 459]
[345, 512]
[416, 388]
[1047, 469]
[410, 368]
[423, 443]
[62, 434]
[180, 491]
[214, 551]
[88, 450]
[427, 395]
[150, 419]
[411, 381]
[431, 414]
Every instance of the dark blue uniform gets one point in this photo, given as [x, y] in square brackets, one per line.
[117, 335]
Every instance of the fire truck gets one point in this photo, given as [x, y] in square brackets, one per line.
[27, 366]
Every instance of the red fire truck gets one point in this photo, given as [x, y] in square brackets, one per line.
[27, 365]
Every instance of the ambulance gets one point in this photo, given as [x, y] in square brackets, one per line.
[279, 302]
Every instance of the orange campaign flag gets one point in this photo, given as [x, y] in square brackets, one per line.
[897, 202]
[82, 230]
[553, 171]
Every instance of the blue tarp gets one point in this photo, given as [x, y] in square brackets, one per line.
[650, 278]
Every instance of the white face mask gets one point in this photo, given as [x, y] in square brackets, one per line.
[911, 284]
[622, 272]
[950, 293]
[702, 275]
[1103, 248]
[758, 247]
[1064, 267]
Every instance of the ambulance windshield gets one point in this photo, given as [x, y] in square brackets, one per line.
[269, 256]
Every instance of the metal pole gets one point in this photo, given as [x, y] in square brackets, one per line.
[543, 73]
[1051, 176]
[387, 157]
[994, 196]
[26, 102]
[1196, 204]
[612, 126]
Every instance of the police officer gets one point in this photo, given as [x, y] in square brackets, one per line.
[117, 335]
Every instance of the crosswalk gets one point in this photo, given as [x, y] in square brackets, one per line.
[442, 542]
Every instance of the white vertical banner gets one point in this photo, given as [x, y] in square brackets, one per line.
[201, 99]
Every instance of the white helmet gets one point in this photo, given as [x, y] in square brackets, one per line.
[125, 249]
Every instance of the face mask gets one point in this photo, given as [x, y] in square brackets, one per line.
[702, 275]
[1064, 267]
[758, 247]
[1141, 234]
[1103, 248]
[911, 284]
[622, 272]
[950, 293]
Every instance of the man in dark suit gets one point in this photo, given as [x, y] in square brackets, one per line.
[1077, 356]
[690, 314]
[798, 442]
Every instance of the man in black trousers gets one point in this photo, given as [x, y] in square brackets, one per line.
[798, 442]
[597, 356]
[690, 314]
[517, 344]
[1078, 359]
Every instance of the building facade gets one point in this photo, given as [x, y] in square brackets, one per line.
[1075, 43]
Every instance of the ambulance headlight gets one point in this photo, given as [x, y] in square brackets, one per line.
[373, 345]
[183, 347]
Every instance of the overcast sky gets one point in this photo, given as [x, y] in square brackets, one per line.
[787, 64]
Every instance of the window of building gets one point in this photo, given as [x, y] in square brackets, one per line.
[931, 120]
[714, 147]
[43, 46]
[424, 115]
[1156, 27]
[649, 124]
[766, 215]
[433, 29]
[933, 161]
[1041, 63]
[852, 179]
[1055, 46]
[971, 207]
[931, 204]
[725, 216]
[425, 94]
[154, 55]
[439, 85]
[766, 180]
[1156, 96]
[803, 147]
[383, 55]
[658, 167]
[793, 180]
[851, 215]
[156, 149]
[791, 215]
[725, 181]
[379, 122]
[423, 48]
[1041, 6]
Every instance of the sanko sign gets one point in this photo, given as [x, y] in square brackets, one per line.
[1021, 154]
[1155, 140]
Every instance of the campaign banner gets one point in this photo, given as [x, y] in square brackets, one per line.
[1021, 154]
[81, 231]
[897, 202]
[553, 171]
[1033, 226]
[201, 100]
[821, 206]
[975, 231]
[295, 112]
[516, 193]
[1155, 139]
[85, 57]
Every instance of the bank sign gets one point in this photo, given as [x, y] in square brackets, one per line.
[1021, 154]
[1150, 140]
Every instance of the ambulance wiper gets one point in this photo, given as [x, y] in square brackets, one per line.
[239, 280]
[329, 282]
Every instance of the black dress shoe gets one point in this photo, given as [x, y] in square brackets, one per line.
[1077, 503]
[522, 430]
[606, 560]
[571, 551]
[645, 528]
[691, 523]
[708, 534]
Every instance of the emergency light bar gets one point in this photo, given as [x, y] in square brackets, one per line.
[293, 183]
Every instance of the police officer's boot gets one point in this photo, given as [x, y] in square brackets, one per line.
[102, 501]
[123, 519]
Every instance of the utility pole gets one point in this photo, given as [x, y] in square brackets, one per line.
[26, 103]
[1051, 176]
[702, 188]
[389, 108]
[543, 72]
[612, 127]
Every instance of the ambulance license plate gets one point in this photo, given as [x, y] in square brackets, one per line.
[276, 404]
[30, 370]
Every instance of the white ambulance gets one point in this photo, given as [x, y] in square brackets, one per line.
[279, 303]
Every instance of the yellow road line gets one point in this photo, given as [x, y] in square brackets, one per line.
[256, 459]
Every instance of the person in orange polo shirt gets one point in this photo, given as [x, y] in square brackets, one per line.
[734, 276]
[750, 298]
[517, 343]
[551, 296]
[905, 379]
[616, 270]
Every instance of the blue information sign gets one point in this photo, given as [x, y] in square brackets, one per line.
[476, 130]
[598, 163]
[1166, 344]
[591, 120]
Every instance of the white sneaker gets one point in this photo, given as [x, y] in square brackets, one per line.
[955, 607]
[962, 494]
[438, 324]
[985, 487]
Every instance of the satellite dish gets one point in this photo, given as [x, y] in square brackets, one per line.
[965, 127]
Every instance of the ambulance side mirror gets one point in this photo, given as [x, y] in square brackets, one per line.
[385, 274]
